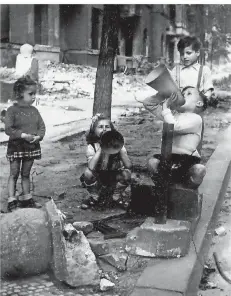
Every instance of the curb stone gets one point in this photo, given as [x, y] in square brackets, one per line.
[175, 277]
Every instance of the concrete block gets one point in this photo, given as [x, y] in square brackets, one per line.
[159, 240]
[58, 263]
[183, 203]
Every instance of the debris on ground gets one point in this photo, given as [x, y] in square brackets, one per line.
[83, 226]
[220, 231]
[106, 285]
[205, 283]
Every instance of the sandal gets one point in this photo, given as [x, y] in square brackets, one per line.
[29, 203]
[89, 203]
[12, 206]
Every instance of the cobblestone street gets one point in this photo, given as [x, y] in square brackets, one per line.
[39, 286]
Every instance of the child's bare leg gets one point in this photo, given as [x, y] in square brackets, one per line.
[91, 184]
[12, 181]
[25, 175]
[196, 175]
[153, 164]
[89, 177]
[124, 177]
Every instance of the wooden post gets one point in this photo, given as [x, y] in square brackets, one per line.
[164, 171]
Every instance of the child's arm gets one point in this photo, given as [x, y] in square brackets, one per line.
[125, 159]
[41, 127]
[93, 157]
[10, 129]
[185, 123]
[207, 82]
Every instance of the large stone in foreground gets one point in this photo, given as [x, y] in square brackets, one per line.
[159, 240]
[25, 243]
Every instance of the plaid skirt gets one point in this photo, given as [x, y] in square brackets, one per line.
[21, 149]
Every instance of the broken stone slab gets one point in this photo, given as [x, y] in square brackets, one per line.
[160, 240]
[118, 260]
[73, 262]
[84, 226]
[136, 262]
[82, 268]
[25, 243]
[55, 223]
[102, 247]
[99, 247]
[106, 285]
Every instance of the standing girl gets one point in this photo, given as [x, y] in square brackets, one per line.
[26, 128]
[104, 171]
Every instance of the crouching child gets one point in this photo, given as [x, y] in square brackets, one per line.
[105, 173]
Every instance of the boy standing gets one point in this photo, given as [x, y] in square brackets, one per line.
[188, 74]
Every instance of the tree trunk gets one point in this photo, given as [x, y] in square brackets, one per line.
[104, 74]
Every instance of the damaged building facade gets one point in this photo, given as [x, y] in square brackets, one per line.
[72, 33]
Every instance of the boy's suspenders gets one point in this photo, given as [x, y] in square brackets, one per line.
[178, 75]
[199, 147]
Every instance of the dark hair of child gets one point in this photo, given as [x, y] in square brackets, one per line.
[20, 86]
[202, 96]
[188, 41]
[90, 135]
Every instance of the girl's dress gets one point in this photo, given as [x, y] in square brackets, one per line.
[23, 119]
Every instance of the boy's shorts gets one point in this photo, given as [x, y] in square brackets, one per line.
[180, 165]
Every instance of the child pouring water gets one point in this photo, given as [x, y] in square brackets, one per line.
[104, 171]
[25, 128]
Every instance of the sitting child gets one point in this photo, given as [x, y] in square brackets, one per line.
[185, 159]
[26, 63]
[104, 171]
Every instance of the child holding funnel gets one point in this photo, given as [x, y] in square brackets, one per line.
[185, 158]
[109, 167]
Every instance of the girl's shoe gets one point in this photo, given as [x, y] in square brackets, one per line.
[29, 203]
[90, 202]
[12, 206]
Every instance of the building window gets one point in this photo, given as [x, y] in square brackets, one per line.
[95, 29]
[172, 12]
[41, 24]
